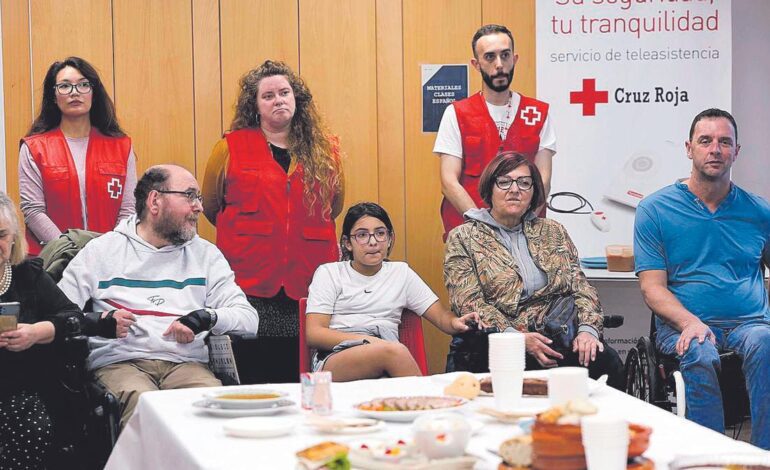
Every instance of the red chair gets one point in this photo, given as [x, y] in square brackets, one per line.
[409, 333]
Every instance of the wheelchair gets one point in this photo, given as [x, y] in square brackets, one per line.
[87, 416]
[655, 378]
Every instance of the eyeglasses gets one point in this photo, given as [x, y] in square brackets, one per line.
[363, 237]
[83, 88]
[524, 183]
[191, 195]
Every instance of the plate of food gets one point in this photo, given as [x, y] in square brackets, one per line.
[245, 397]
[214, 409]
[400, 454]
[407, 408]
[537, 386]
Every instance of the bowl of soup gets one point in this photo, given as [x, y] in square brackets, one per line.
[246, 397]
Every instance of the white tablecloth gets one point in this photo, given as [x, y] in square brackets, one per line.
[166, 432]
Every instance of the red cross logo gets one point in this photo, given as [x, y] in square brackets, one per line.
[588, 97]
[531, 115]
[114, 188]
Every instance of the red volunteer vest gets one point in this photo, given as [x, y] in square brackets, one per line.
[106, 160]
[481, 142]
[264, 230]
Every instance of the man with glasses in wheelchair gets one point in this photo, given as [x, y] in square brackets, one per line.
[157, 291]
[700, 245]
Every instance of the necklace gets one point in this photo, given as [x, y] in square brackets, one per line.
[6, 282]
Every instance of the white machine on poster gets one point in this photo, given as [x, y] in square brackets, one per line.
[642, 174]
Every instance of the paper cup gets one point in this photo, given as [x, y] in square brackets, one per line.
[605, 440]
[567, 383]
[507, 385]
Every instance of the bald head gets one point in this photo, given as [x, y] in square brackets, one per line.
[158, 177]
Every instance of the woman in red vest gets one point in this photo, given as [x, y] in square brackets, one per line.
[273, 187]
[76, 165]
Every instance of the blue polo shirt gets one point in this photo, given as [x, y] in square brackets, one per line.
[712, 259]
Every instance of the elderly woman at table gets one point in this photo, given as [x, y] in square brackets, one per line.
[513, 267]
[26, 351]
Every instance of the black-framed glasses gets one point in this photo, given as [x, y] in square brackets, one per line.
[524, 183]
[191, 195]
[363, 237]
[65, 88]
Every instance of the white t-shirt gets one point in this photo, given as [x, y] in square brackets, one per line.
[354, 300]
[449, 141]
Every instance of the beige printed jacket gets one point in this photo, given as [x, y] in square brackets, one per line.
[481, 275]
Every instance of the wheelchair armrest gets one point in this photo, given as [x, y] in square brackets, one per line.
[612, 321]
[235, 337]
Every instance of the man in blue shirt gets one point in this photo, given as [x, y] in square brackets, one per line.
[700, 245]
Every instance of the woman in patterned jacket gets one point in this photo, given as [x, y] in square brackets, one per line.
[512, 267]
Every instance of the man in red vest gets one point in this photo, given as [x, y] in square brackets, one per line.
[475, 129]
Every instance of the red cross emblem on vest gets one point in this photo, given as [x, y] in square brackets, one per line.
[114, 188]
[531, 115]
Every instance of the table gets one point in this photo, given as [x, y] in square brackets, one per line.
[166, 432]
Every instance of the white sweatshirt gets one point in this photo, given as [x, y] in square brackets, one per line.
[121, 270]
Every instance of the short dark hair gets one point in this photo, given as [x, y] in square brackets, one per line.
[488, 29]
[153, 179]
[712, 113]
[356, 212]
[503, 164]
[102, 114]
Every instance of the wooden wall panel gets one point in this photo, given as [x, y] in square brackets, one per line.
[17, 90]
[390, 118]
[338, 53]
[81, 28]
[253, 32]
[172, 67]
[154, 79]
[519, 17]
[208, 91]
[435, 31]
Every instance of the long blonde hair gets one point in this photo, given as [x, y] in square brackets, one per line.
[8, 212]
[309, 139]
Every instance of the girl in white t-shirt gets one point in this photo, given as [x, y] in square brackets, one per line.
[354, 306]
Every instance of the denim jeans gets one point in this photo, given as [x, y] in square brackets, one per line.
[699, 366]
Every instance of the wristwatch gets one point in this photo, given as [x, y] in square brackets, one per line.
[213, 314]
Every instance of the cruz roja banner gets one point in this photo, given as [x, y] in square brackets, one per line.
[624, 79]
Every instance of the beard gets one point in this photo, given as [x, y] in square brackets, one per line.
[489, 80]
[177, 231]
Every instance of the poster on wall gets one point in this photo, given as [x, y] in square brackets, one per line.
[624, 79]
[442, 85]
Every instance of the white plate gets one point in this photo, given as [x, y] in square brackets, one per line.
[406, 416]
[259, 427]
[218, 397]
[215, 410]
[377, 426]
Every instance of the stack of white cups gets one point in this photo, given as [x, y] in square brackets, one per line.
[506, 363]
[605, 440]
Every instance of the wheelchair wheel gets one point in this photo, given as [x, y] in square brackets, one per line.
[635, 381]
[641, 378]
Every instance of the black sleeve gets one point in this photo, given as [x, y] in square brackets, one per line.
[54, 305]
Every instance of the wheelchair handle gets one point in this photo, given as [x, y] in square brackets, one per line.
[613, 321]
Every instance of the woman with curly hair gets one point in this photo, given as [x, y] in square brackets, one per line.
[77, 168]
[273, 186]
